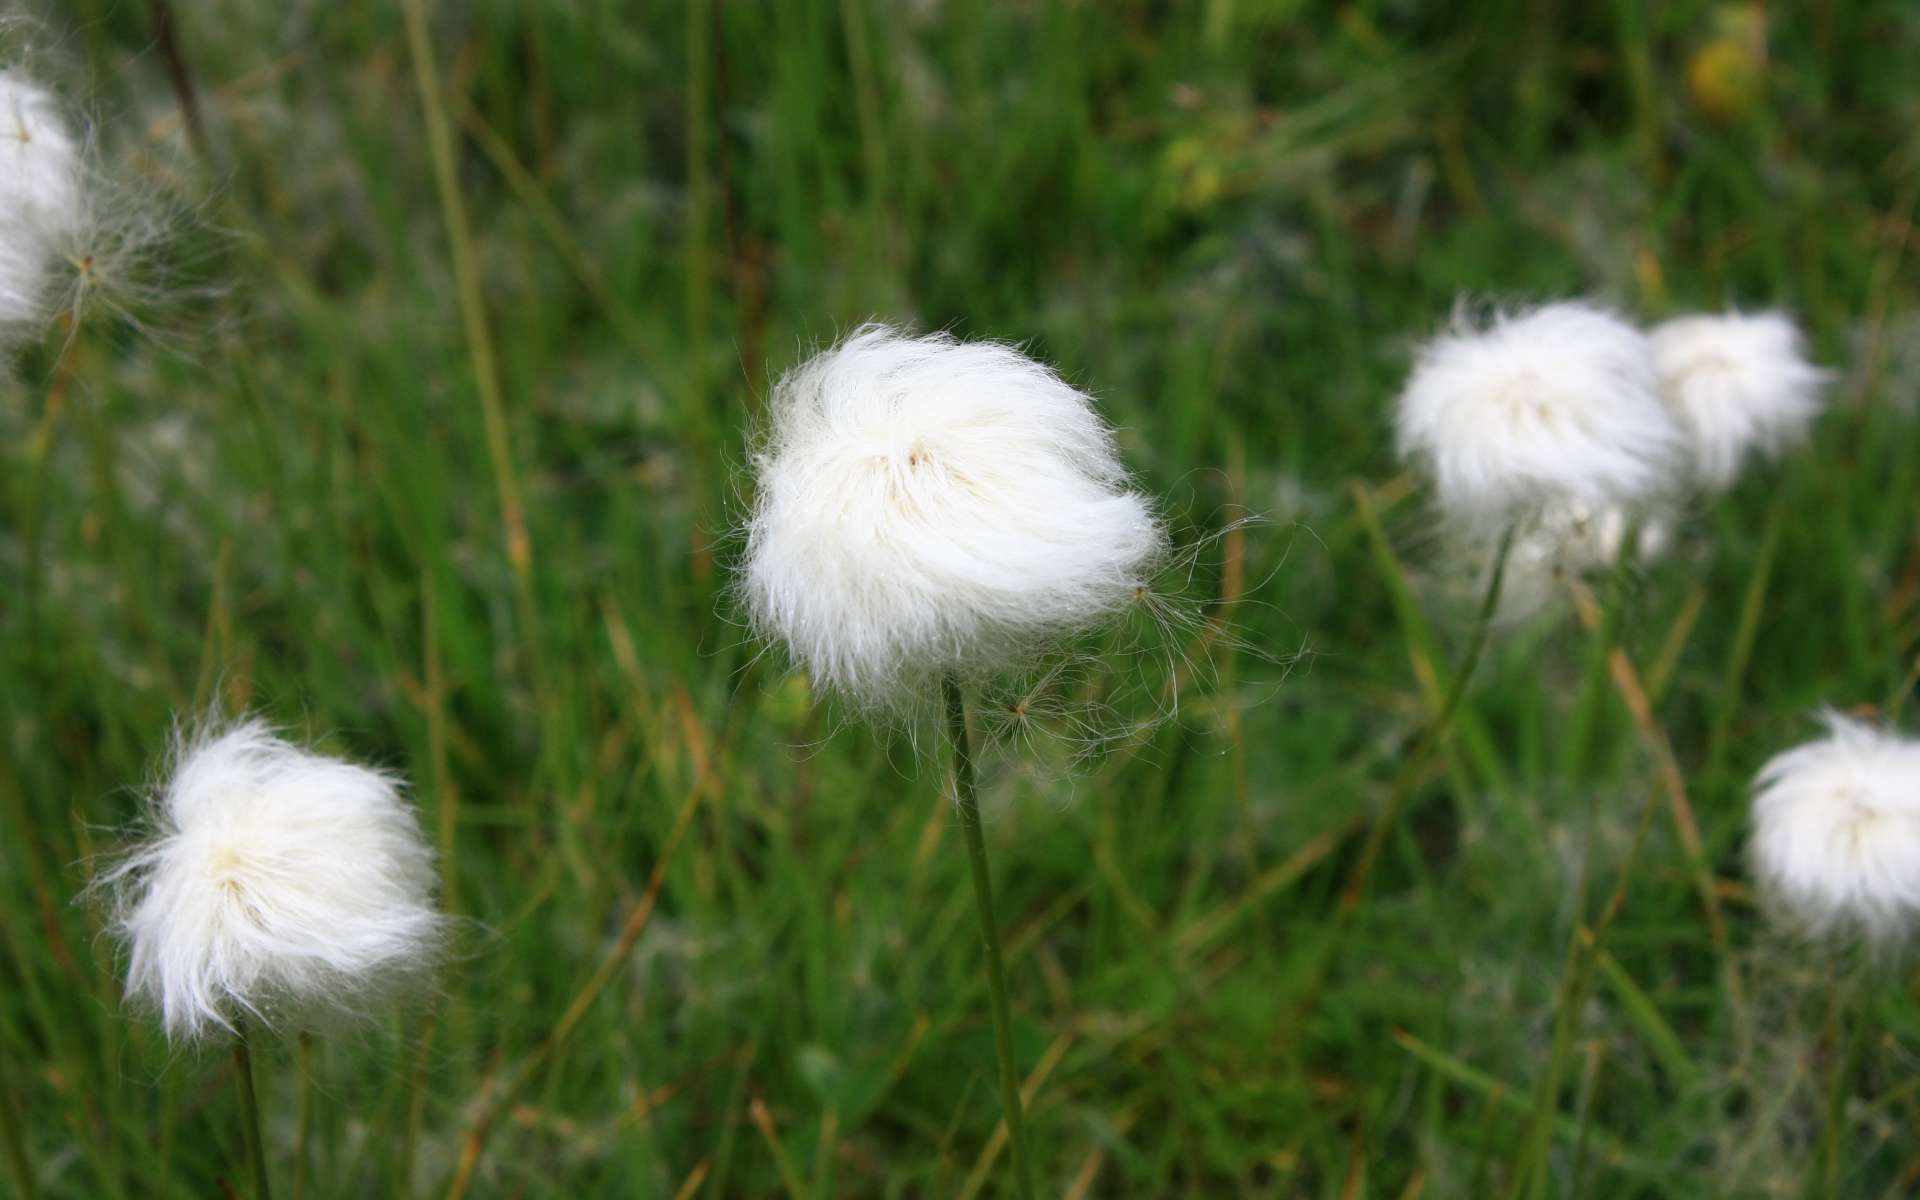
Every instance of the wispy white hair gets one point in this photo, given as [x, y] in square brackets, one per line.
[275, 884]
[41, 198]
[1740, 385]
[1835, 844]
[1559, 405]
[925, 505]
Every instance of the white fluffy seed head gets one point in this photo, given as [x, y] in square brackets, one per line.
[41, 198]
[275, 884]
[1739, 385]
[925, 505]
[1835, 845]
[1555, 406]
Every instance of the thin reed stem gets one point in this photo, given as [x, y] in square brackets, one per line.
[967, 805]
[180, 75]
[250, 1113]
[473, 313]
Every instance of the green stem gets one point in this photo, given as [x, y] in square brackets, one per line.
[1414, 765]
[968, 806]
[1406, 780]
[486, 371]
[304, 1127]
[416, 1104]
[1477, 644]
[1746, 632]
[1475, 743]
[1845, 998]
[250, 1114]
[1593, 691]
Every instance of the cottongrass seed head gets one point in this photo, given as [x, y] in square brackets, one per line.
[1835, 844]
[276, 885]
[1557, 406]
[42, 198]
[925, 505]
[1740, 386]
[85, 231]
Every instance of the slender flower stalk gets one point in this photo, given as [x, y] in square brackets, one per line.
[1593, 689]
[967, 806]
[179, 74]
[1413, 768]
[1845, 998]
[250, 1115]
[303, 1126]
[1746, 632]
[1434, 736]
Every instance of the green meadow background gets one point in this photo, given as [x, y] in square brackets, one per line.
[446, 479]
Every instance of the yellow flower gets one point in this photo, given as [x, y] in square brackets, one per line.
[1727, 75]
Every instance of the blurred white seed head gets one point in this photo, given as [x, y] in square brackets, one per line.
[925, 505]
[1558, 406]
[1590, 540]
[1569, 539]
[1739, 385]
[1835, 845]
[42, 199]
[82, 233]
[275, 884]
